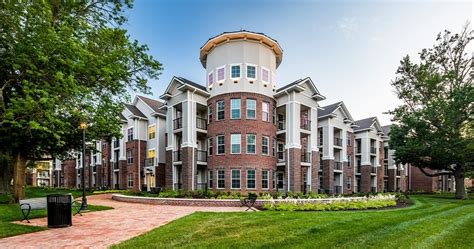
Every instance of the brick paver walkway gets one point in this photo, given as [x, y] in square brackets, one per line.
[104, 228]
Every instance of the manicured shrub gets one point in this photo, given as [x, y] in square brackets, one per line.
[329, 206]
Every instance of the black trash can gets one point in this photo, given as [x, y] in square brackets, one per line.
[59, 210]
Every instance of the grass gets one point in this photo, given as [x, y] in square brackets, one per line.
[11, 212]
[433, 221]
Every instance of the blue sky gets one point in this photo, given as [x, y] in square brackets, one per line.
[350, 49]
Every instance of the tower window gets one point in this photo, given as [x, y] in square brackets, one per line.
[235, 108]
[221, 74]
[210, 79]
[235, 71]
[251, 72]
[265, 76]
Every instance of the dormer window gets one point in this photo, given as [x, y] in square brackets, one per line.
[221, 74]
[210, 79]
[265, 75]
[235, 71]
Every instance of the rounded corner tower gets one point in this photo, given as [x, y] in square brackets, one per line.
[241, 80]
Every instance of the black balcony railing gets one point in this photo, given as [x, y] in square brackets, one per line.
[201, 186]
[385, 170]
[373, 189]
[358, 169]
[374, 170]
[373, 150]
[178, 186]
[338, 141]
[281, 156]
[116, 165]
[305, 125]
[116, 143]
[281, 124]
[176, 156]
[149, 162]
[202, 156]
[201, 123]
[320, 164]
[337, 189]
[306, 157]
[320, 141]
[177, 123]
[94, 169]
[358, 149]
[337, 165]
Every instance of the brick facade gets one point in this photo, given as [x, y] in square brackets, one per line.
[420, 182]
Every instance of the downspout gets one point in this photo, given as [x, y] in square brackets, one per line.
[288, 151]
[193, 126]
[139, 159]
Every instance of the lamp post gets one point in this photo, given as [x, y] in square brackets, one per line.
[83, 127]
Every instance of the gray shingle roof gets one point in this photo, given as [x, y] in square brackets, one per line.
[154, 104]
[291, 84]
[364, 123]
[134, 110]
[194, 84]
[326, 110]
[386, 129]
[122, 117]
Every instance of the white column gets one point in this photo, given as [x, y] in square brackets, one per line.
[328, 142]
[314, 130]
[189, 123]
[169, 128]
[344, 145]
[365, 143]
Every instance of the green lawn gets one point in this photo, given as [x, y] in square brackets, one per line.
[11, 212]
[433, 221]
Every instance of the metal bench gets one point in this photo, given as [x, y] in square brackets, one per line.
[27, 205]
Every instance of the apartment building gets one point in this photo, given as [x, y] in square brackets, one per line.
[395, 175]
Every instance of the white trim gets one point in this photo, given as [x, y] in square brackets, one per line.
[217, 178]
[240, 108]
[217, 74]
[247, 143]
[240, 71]
[246, 71]
[217, 144]
[268, 145]
[268, 178]
[255, 179]
[213, 79]
[261, 75]
[240, 143]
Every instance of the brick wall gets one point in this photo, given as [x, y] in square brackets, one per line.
[421, 182]
[133, 168]
[349, 170]
[366, 178]
[328, 176]
[314, 171]
[69, 173]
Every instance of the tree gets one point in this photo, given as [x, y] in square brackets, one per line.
[62, 63]
[434, 125]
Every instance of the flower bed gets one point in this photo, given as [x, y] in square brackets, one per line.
[298, 205]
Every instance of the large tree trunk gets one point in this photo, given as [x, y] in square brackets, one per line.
[460, 188]
[6, 176]
[19, 178]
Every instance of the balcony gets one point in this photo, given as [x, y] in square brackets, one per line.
[202, 156]
[338, 141]
[306, 157]
[177, 123]
[337, 165]
[373, 150]
[358, 149]
[374, 170]
[94, 169]
[281, 156]
[201, 123]
[337, 190]
[358, 171]
[398, 173]
[320, 140]
[320, 164]
[150, 162]
[357, 188]
[385, 170]
[116, 143]
[176, 156]
[281, 124]
[373, 189]
[116, 165]
[305, 125]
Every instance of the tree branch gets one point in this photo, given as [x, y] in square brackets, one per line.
[435, 174]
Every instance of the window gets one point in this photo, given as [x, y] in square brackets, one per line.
[220, 178]
[151, 132]
[349, 161]
[235, 108]
[251, 179]
[220, 145]
[274, 111]
[349, 139]
[349, 182]
[130, 180]
[265, 176]
[220, 109]
[251, 139]
[209, 146]
[210, 179]
[221, 74]
[265, 110]
[235, 178]
[210, 79]
[251, 108]
[130, 134]
[235, 71]
[265, 142]
[129, 157]
[151, 153]
[274, 145]
[209, 114]
[265, 76]
[251, 72]
[235, 143]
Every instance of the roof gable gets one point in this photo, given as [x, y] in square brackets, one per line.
[333, 109]
[155, 106]
[301, 85]
[182, 84]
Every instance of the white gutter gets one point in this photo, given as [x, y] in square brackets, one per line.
[288, 150]
[139, 145]
[193, 121]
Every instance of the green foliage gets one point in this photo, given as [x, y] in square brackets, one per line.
[330, 206]
[435, 124]
[63, 62]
